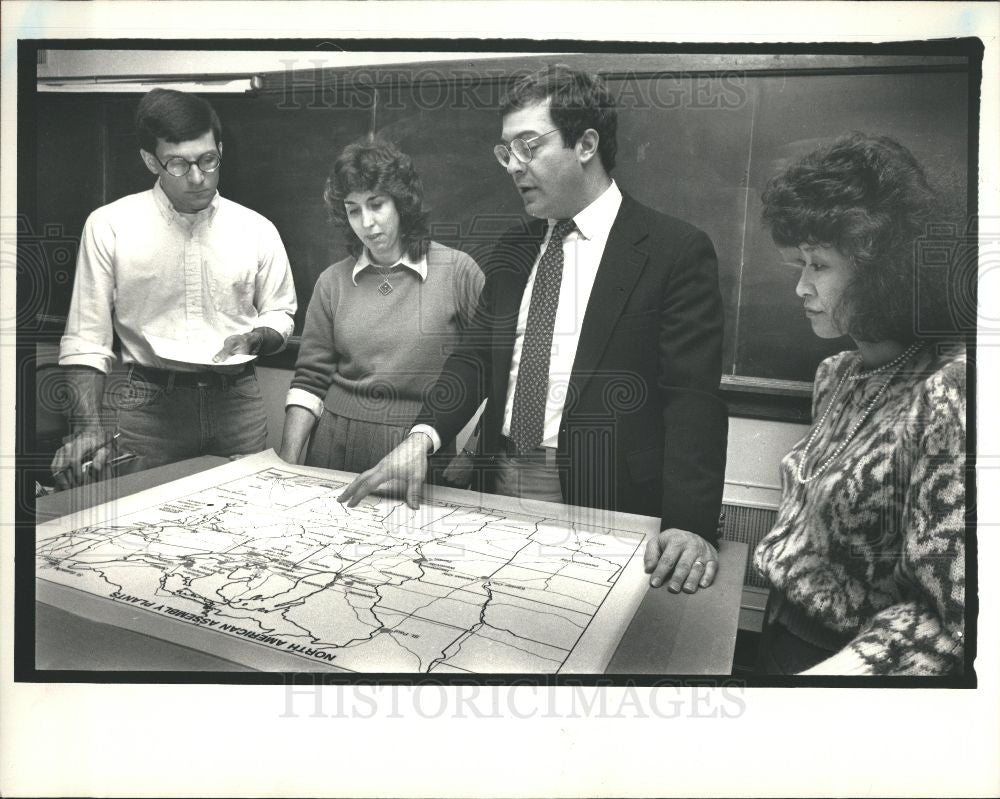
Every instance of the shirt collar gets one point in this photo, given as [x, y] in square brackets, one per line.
[598, 217]
[171, 214]
[419, 266]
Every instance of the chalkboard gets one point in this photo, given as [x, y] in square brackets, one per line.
[926, 113]
[696, 145]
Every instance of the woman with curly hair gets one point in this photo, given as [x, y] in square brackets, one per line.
[381, 322]
[867, 558]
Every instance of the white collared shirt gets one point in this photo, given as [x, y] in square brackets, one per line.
[147, 269]
[364, 262]
[582, 253]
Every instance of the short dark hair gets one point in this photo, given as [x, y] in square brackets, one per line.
[870, 198]
[174, 117]
[577, 101]
[379, 165]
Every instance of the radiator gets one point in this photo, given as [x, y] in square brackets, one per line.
[748, 524]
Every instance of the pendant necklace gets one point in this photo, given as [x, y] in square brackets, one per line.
[385, 287]
[894, 366]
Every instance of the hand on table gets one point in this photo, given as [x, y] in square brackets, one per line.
[405, 466]
[687, 559]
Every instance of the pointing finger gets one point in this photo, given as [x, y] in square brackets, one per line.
[413, 494]
[351, 495]
[363, 485]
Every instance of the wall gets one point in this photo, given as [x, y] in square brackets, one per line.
[700, 147]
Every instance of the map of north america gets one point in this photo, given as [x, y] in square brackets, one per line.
[273, 558]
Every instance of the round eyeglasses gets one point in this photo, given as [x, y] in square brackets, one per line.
[179, 167]
[520, 148]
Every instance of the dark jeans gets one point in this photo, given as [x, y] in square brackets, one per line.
[163, 424]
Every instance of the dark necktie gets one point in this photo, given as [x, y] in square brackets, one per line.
[528, 415]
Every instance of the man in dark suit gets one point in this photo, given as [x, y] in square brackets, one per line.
[597, 343]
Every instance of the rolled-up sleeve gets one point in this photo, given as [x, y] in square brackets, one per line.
[274, 291]
[305, 399]
[88, 337]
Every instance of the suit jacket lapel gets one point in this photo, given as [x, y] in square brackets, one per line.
[621, 265]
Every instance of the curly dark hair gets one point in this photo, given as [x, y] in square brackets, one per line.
[578, 100]
[870, 198]
[379, 165]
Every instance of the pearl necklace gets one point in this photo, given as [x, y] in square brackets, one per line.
[895, 365]
[902, 357]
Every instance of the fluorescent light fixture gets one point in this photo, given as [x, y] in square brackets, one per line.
[142, 85]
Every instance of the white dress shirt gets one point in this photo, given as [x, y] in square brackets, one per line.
[365, 262]
[582, 253]
[146, 268]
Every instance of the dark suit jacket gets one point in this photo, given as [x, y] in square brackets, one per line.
[644, 429]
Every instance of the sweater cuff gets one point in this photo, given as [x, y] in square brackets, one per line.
[78, 351]
[845, 663]
[302, 398]
[99, 362]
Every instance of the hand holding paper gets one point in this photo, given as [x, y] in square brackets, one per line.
[206, 351]
[238, 345]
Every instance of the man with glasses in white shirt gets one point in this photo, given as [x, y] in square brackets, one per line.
[597, 343]
[194, 286]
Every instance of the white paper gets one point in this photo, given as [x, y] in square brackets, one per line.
[273, 573]
[193, 351]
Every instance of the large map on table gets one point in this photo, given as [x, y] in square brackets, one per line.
[261, 553]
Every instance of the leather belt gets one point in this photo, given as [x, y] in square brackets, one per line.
[170, 378]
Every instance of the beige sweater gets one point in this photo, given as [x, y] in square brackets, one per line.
[371, 356]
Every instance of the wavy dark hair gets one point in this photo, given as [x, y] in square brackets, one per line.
[174, 117]
[870, 198]
[379, 166]
[578, 100]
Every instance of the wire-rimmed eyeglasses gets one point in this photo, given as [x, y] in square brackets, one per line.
[179, 167]
[520, 148]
